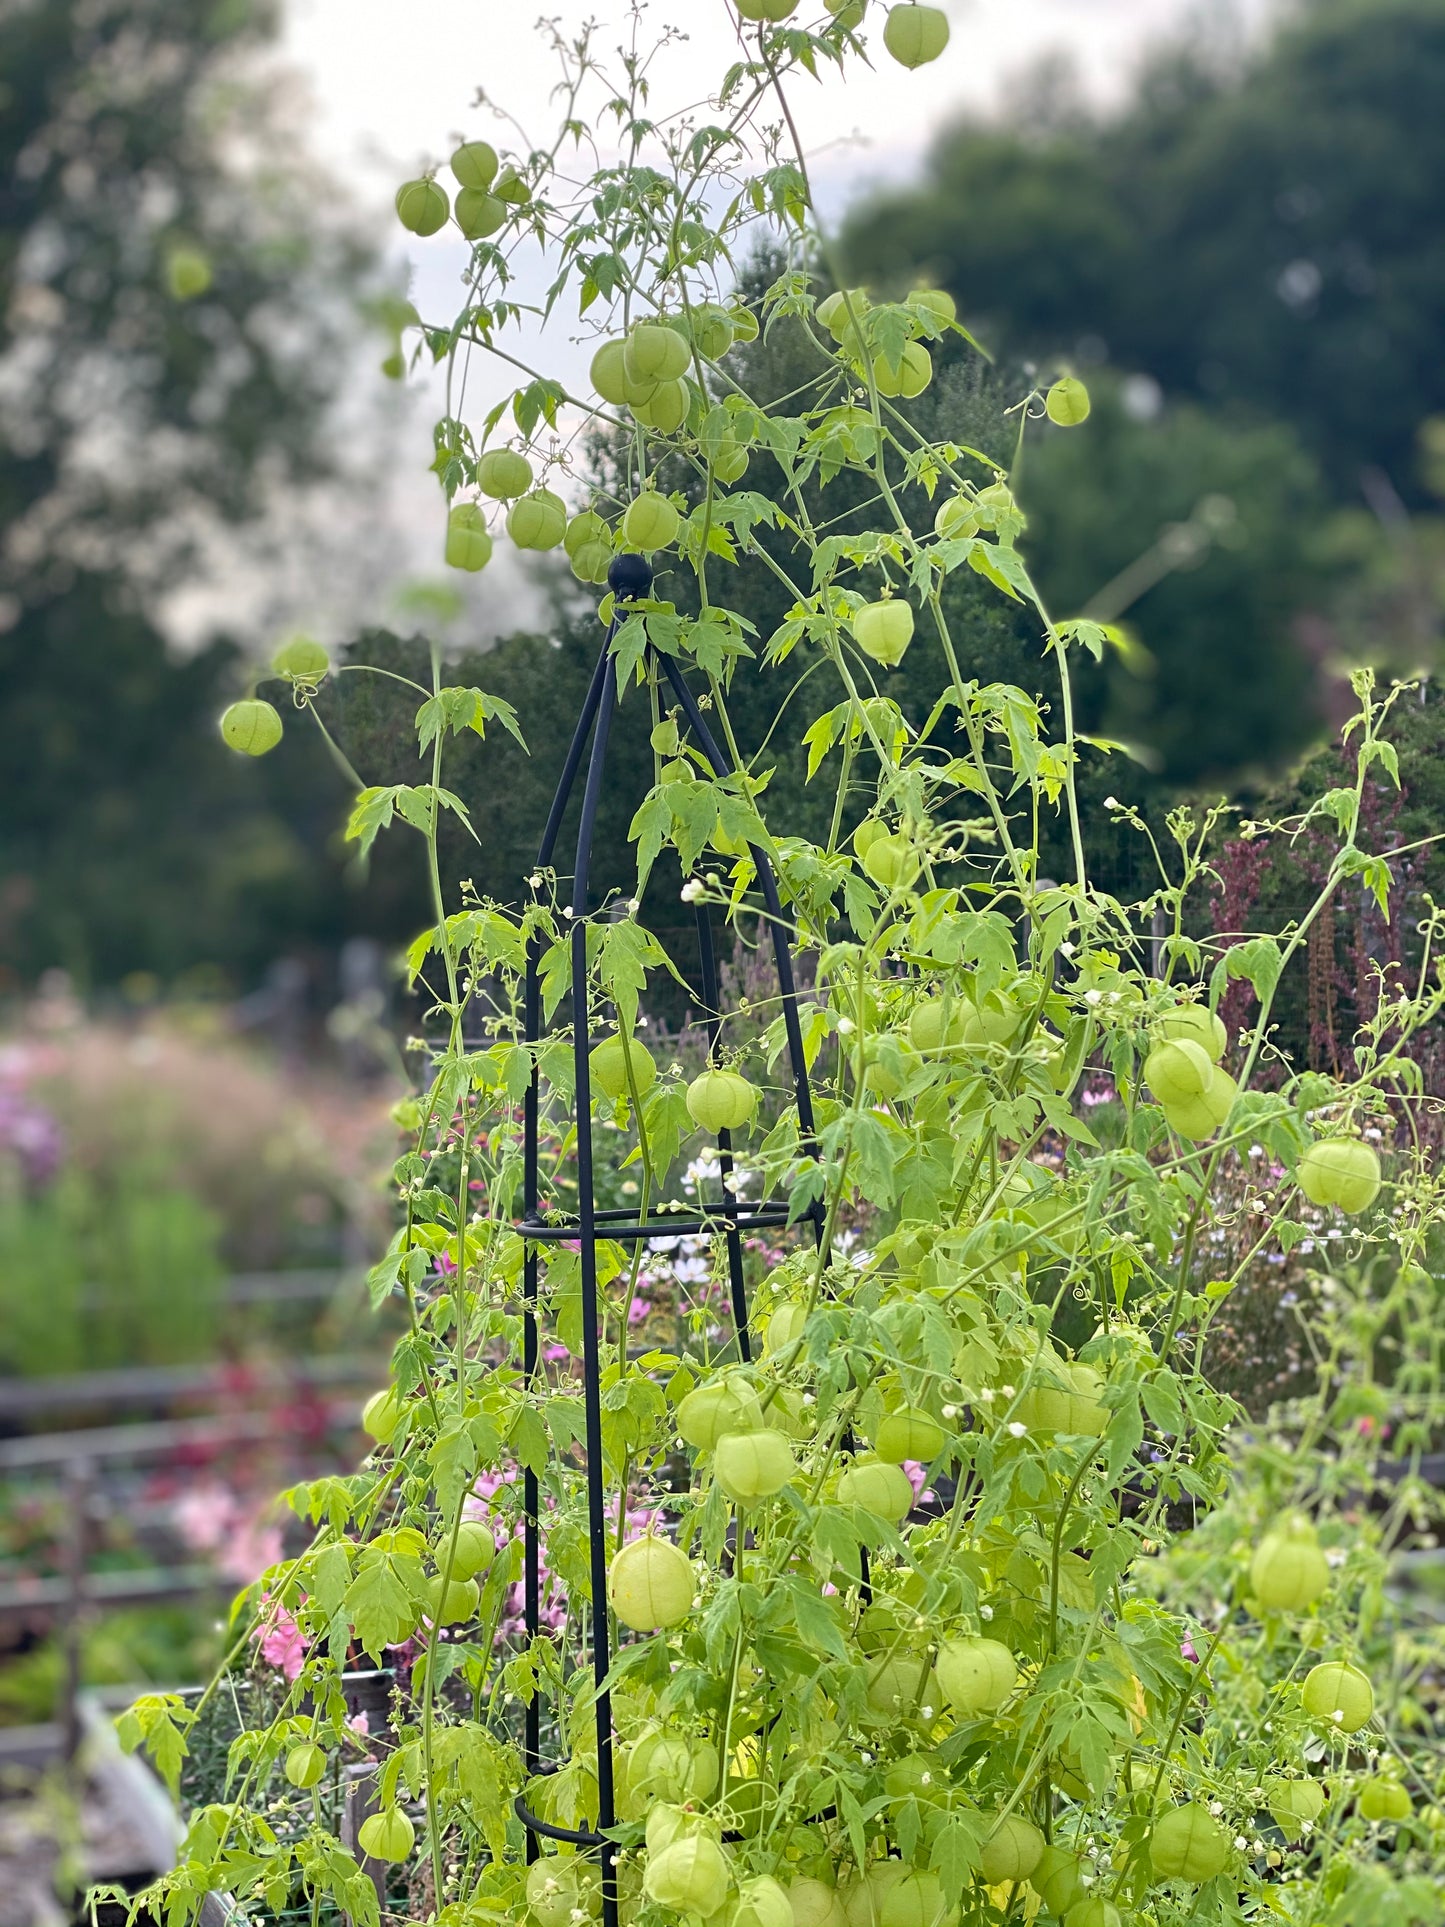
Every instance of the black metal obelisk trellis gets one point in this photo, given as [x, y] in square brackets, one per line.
[630, 578]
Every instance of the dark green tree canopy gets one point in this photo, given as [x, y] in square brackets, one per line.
[1267, 236]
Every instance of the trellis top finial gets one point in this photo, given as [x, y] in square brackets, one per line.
[629, 577]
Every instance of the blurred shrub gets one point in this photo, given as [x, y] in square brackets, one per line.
[96, 1276]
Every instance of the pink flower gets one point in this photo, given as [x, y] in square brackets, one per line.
[1186, 1651]
[917, 1475]
[282, 1645]
[359, 1723]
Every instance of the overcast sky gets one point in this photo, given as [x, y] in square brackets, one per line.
[393, 84]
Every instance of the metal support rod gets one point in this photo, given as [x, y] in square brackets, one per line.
[591, 1341]
[736, 1287]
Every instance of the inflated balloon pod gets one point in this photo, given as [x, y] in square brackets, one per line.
[570, 1257]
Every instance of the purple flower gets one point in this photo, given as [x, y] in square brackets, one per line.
[1186, 1651]
[31, 1136]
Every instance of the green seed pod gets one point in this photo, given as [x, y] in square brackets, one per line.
[475, 164]
[1197, 1024]
[1288, 1571]
[381, 1415]
[301, 660]
[1093, 1911]
[538, 520]
[880, 1488]
[655, 352]
[892, 862]
[956, 518]
[1058, 1879]
[251, 727]
[1340, 1171]
[468, 545]
[784, 1328]
[992, 1019]
[730, 462]
[709, 1412]
[651, 1585]
[609, 374]
[761, 1902]
[863, 1899]
[936, 301]
[917, 1900]
[592, 561]
[899, 1683]
[915, 370]
[909, 1434]
[665, 409]
[454, 1604]
[188, 273]
[691, 1876]
[815, 1903]
[479, 213]
[422, 207]
[1178, 1071]
[1188, 1843]
[584, 528]
[976, 1675]
[1012, 1850]
[766, 10]
[1293, 1804]
[1338, 1695]
[744, 324]
[608, 1063]
[503, 474]
[883, 630]
[651, 522]
[474, 1551]
[389, 1835]
[1064, 1397]
[750, 1466]
[915, 35]
[1067, 402]
[1383, 1798]
[712, 330]
[305, 1764]
[721, 1101]
[937, 1024]
[560, 1887]
[1200, 1117]
[511, 188]
[848, 14]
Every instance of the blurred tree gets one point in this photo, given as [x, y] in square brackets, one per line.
[175, 302]
[1263, 231]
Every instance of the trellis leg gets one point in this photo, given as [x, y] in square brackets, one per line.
[591, 1348]
[724, 1138]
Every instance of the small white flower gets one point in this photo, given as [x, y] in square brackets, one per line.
[1008, 1391]
[1017, 1429]
[1066, 949]
[846, 1026]
[1093, 996]
[1241, 1845]
[1338, 1717]
[1216, 1807]
[633, 906]
[569, 911]
[691, 890]
[950, 1411]
[985, 1612]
